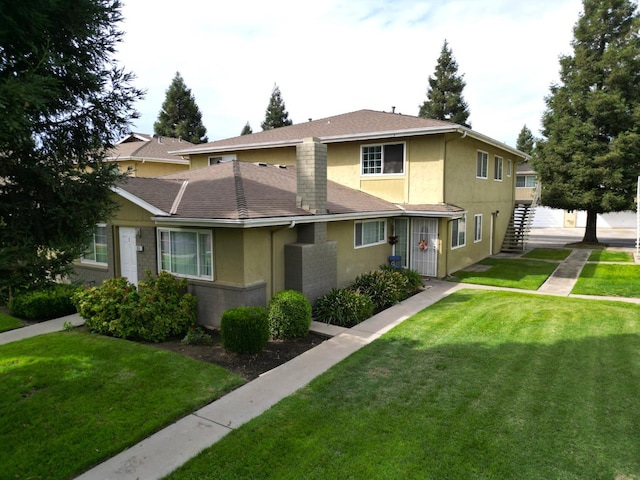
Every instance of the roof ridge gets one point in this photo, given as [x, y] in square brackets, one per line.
[241, 199]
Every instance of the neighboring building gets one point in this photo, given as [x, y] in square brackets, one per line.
[148, 156]
[313, 205]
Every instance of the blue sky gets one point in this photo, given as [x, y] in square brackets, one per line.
[335, 56]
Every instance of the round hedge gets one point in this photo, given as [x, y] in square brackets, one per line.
[289, 315]
[244, 329]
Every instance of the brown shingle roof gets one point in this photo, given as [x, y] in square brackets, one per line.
[246, 191]
[140, 146]
[359, 123]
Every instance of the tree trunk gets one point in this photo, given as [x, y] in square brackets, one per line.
[590, 234]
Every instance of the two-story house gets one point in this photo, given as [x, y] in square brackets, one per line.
[313, 205]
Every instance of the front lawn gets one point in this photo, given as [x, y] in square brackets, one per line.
[610, 256]
[510, 273]
[70, 400]
[609, 280]
[480, 385]
[548, 253]
[7, 322]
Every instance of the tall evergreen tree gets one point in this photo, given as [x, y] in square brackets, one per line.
[276, 115]
[590, 157]
[246, 130]
[526, 142]
[444, 95]
[180, 116]
[64, 102]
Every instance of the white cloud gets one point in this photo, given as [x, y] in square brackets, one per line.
[331, 57]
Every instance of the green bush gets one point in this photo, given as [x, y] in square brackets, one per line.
[385, 287]
[343, 307]
[49, 302]
[158, 309]
[197, 336]
[289, 315]
[414, 279]
[244, 329]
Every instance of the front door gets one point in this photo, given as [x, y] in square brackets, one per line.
[128, 257]
[424, 246]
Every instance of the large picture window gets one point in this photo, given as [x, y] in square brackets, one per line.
[459, 232]
[97, 250]
[372, 232]
[482, 165]
[186, 253]
[383, 159]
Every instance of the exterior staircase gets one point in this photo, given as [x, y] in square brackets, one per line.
[517, 236]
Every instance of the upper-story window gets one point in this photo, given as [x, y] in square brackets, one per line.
[383, 159]
[221, 159]
[482, 164]
[525, 181]
[509, 164]
[497, 169]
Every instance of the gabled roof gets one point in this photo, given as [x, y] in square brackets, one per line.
[139, 146]
[359, 125]
[248, 194]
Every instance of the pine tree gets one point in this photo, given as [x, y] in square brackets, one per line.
[444, 95]
[64, 102]
[180, 116]
[276, 115]
[589, 159]
[246, 130]
[526, 141]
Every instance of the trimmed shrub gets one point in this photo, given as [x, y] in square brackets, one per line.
[385, 287]
[343, 307]
[244, 329]
[155, 311]
[289, 315]
[414, 279]
[197, 336]
[49, 302]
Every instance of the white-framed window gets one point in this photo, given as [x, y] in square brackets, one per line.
[370, 232]
[96, 252]
[186, 253]
[497, 168]
[383, 159]
[526, 181]
[509, 164]
[221, 159]
[482, 164]
[459, 232]
[477, 228]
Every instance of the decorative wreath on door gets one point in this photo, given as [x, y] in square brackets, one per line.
[423, 245]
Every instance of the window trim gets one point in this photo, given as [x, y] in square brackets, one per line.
[380, 241]
[484, 157]
[382, 145]
[477, 232]
[464, 232]
[93, 243]
[498, 161]
[186, 230]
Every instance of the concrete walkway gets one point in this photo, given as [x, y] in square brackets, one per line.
[166, 450]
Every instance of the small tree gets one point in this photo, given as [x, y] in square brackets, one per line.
[246, 130]
[276, 115]
[444, 95]
[590, 157]
[526, 141]
[180, 117]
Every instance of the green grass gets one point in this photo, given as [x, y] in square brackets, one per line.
[481, 385]
[7, 322]
[609, 280]
[71, 400]
[510, 273]
[548, 253]
[610, 256]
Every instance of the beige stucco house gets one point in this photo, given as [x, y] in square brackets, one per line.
[313, 205]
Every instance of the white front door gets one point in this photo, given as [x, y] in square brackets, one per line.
[128, 257]
[424, 246]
